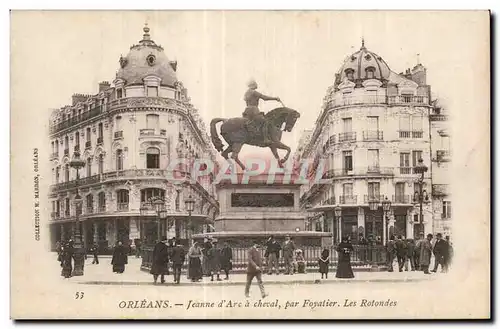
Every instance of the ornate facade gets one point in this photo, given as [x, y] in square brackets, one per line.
[373, 128]
[128, 134]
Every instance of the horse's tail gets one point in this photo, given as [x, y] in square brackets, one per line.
[214, 135]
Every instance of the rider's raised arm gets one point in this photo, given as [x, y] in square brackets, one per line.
[266, 98]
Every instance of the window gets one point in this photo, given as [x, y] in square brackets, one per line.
[404, 126]
[87, 135]
[90, 202]
[153, 158]
[119, 159]
[100, 131]
[372, 123]
[119, 93]
[406, 98]
[122, 200]
[373, 159]
[347, 125]
[58, 208]
[349, 73]
[446, 209]
[56, 147]
[66, 142]
[417, 122]
[347, 155]
[404, 163]
[66, 207]
[400, 193]
[118, 123]
[101, 199]
[416, 155]
[152, 91]
[77, 138]
[370, 72]
[347, 189]
[53, 149]
[66, 173]
[58, 170]
[374, 191]
[152, 121]
[100, 168]
[89, 167]
[149, 193]
[177, 200]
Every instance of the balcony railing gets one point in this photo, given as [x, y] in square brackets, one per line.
[374, 198]
[163, 132]
[101, 208]
[88, 145]
[405, 170]
[405, 199]
[122, 206]
[373, 170]
[373, 135]
[76, 119]
[351, 100]
[407, 99]
[404, 134]
[118, 134]
[348, 199]
[99, 140]
[347, 137]
[152, 132]
[417, 134]
[328, 202]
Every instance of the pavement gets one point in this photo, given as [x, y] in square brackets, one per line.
[102, 274]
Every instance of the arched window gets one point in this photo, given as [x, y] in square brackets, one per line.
[148, 193]
[349, 73]
[119, 159]
[77, 141]
[66, 207]
[66, 173]
[370, 72]
[178, 200]
[153, 158]
[58, 169]
[101, 199]
[122, 200]
[89, 167]
[89, 201]
[101, 164]
[66, 143]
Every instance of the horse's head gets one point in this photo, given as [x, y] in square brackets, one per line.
[281, 115]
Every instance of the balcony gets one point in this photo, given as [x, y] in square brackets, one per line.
[374, 198]
[99, 140]
[55, 215]
[407, 99]
[404, 134]
[405, 170]
[76, 119]
[373, 170]
[442, 156]
[347, 137]
[373, 135]
[101, 208]
[352, 100]
[403, 199]
[417, 134]
[122, 206]
[119, 134]
[66, 152]
[54, 155]
[348, 199]
[88, 145]
[328, 202]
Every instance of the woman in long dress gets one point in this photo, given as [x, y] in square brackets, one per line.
[67, 252]
[324, 262]
[194, 256]
[120, 258]
[344, 270]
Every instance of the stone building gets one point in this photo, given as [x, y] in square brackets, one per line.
[373, 128]
[128, 134]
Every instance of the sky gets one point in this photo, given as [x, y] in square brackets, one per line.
[292, 55]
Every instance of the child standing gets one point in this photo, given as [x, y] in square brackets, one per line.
[324, 262]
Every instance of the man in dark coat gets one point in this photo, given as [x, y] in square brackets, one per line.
[214, 256]
[288, 251]
[425, 248]
[178, 257]
[159, 266]
[254, 269]
[401, 253]
[417, 250]
[441, 251]
[391, 253]
[95, 252]
[226, 258]
[205, 264]
[120, 258]
[273, 248]
[411, 253]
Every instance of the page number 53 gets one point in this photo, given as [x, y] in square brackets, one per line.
[79, 295]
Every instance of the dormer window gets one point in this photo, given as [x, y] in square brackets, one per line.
[349, 73]
[152, 91]
[370, 72]
[119, 93]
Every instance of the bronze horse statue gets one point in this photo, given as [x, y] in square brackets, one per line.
[236, 134]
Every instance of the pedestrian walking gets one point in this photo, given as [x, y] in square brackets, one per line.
[205, 264]
[194, 265]
[344, 269]
[254, 270]
[67, 253]
[401, 253]
[138, 248]
[288, 251]
[273, 248]
[440, 251]
[159, 265]
[324, 262]
[95, 252]
[391, 253]
[120, 258]
[421, 239]
[226, 260]
[425, 248]
[214, 258]
[410, 244]
[178, 258]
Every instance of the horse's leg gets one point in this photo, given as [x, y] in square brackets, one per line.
[281, 146]
[226, 152]
[276, 155]
[236, 150]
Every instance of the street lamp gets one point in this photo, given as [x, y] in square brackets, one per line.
[159, 206]
[386, 206]
[421, 195]
[373, 205]
[338, 214]
[79, 254]
[189, 207]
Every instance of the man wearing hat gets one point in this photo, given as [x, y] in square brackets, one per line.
[288, 251]
[159, 266]
[440, 253]
[254, 269]
[252, 112]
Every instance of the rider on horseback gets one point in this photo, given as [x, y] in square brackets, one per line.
[252, 97]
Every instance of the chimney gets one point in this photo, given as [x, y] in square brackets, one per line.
[103, 85]
[77, 98]
[419, 74]
[408, 74]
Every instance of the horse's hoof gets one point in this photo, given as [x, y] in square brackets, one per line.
[282, 161]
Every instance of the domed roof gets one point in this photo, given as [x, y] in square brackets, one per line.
[360, 63]
[145, 59]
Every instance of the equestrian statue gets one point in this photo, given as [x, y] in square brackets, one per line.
[254, 127]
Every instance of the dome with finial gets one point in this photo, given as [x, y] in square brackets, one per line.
[147, 59]
[363, 65]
